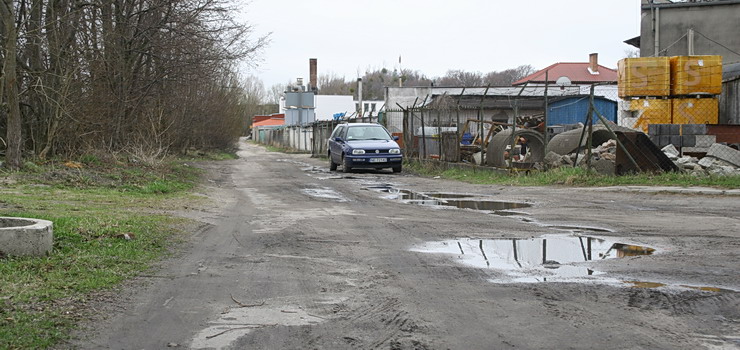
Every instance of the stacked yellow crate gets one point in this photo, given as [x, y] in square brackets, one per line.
[695, 83]
[676, 90]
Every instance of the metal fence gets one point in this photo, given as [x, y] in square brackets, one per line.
[311, 138]
[597, 129]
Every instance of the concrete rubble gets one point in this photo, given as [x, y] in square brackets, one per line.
[720, 160]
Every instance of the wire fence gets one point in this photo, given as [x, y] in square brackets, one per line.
[609, 127]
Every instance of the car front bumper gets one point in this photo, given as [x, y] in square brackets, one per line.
[375, 161]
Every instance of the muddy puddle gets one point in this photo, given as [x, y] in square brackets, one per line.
[549, 258]
[554, 258]
[454, 200]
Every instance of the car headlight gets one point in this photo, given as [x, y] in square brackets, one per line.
[358, 151]
[395, 151]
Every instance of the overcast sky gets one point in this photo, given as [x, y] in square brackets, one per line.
[433, 36]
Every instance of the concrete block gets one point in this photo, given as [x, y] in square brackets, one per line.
[673, 129]
[694, 129]
[655, 139]
[671, 150]
[725, 153]
[706, 162]
[665, 140]
[676, 140]
[705, 140]
[653, 129]
[663, 129]
[688, 140]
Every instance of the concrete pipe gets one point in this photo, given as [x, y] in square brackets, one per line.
[567, 142]
[25, 237]
[497, 147]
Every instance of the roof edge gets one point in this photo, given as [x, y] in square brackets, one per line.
[691, 4]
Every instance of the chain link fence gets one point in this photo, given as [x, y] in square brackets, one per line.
[613, 128]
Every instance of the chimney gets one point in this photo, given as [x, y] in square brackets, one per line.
[593, 60]
[313, 78]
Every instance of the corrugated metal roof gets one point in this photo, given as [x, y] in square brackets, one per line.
[576, 72]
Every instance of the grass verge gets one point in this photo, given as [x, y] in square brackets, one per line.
[571, 177]
[110, 224]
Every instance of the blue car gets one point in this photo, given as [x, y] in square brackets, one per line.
[363, 145]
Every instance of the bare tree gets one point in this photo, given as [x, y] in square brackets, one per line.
[10, 87]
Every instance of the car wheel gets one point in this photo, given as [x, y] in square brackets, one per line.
[346, 168]
[332, 165]
[397, 169]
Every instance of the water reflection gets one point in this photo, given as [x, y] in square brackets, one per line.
[536, 259]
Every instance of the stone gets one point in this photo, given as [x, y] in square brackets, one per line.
[567, 160]
[686, 159]
[609, 156]
[721, 170]
[553, 160]
[689, 166]
[671, 150]
[603, 166]
[706, 162]
[725, 153]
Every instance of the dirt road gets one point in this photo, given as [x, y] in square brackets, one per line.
[295, 257]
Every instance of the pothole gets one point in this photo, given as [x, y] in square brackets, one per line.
[325, 193]
[550, 258]
[460, 201]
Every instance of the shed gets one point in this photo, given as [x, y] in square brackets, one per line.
[573, 110]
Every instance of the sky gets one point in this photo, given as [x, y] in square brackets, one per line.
[349, 37]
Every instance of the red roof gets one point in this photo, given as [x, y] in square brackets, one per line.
[270, 122]
[578, 73]
[259, 118]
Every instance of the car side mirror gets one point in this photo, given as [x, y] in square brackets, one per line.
[338, 139]
[396, 138]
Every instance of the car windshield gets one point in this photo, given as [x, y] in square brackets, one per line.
[360, 133]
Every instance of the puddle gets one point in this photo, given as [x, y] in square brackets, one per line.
[325, 193]
[549, 258]
[578, 228]
[451, 195]
[449, 200]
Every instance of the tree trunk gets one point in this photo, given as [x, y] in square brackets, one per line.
[13, 152]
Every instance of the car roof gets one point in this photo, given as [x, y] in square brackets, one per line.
[362, 124]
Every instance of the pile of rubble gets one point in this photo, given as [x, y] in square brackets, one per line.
[603, 158]
[720, 160]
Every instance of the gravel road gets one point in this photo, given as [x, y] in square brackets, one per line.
[291, 256]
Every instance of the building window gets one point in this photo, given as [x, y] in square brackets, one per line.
[366, 107]
[372, 107]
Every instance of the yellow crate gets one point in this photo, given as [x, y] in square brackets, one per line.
[644, 76]
[695, 111]
[651, 111]
[696, 75]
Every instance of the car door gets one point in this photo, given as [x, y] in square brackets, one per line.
[335, 148]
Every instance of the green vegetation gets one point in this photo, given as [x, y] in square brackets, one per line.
[108, 226]
[571, 177]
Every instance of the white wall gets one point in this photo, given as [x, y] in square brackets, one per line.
[327, 105]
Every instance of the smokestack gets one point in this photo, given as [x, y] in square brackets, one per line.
[313, 78]
[593, 60]
[359, 96]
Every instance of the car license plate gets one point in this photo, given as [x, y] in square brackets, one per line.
[378, 160]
